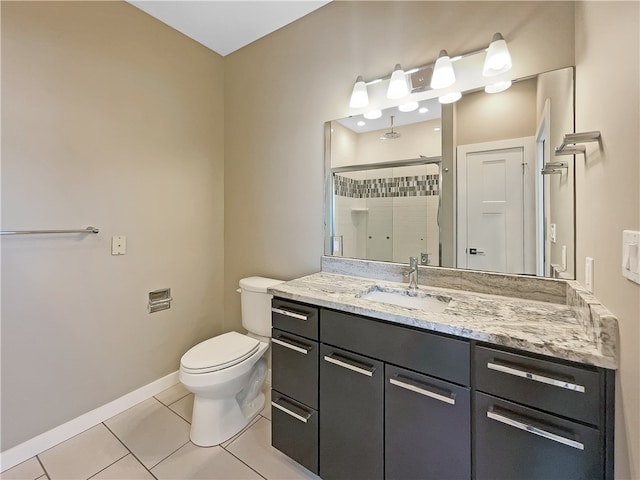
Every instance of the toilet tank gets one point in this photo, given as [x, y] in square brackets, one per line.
[255, 303]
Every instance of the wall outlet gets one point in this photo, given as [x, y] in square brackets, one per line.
[588, 274]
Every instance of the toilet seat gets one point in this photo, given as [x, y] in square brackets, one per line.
[219, 353]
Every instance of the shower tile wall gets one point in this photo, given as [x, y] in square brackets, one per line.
[391, 217]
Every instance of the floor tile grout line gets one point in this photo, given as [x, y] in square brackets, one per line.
[175, 401]
[163, 459]
[128, 450]
[243, 462]
[176, 413]
[111, 464]
[42, 465]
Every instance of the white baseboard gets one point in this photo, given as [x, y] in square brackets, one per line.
[18, 454]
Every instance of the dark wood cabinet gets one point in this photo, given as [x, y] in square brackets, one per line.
[352, 415]
[427, 427]
[359, 398]
[294, 381]
[543, 418]
[517, 442]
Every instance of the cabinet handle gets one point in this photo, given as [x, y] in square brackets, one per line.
[289, 313]
[422, 391]
[538, 378]
[363, 370]
[303, 419]
[536, 431]
[290, 346]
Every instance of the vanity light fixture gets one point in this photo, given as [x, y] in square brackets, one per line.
[498, 59]
[498, 87]
[443, 74]
[373, 114]
[450, 97]
[408, 107]
[398, 87]
[359, 96]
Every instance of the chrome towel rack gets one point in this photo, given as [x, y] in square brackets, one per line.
[569, 147]
[46, 232]
[554, 168]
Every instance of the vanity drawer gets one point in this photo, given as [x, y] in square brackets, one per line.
[294, 430]
[295, 317]
[554, 387]
[436, 355]
[295, 367]
[512, 441]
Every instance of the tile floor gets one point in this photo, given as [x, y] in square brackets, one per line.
[151, 441]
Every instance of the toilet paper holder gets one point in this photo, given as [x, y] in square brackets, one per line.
[159, 300]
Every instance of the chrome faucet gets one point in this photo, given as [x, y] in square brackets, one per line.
[413, 274]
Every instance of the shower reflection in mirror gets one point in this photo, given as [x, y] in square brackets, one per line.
[388, 211]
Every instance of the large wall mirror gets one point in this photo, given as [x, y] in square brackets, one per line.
[474, 184]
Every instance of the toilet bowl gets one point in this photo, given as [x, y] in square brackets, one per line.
[226, 372]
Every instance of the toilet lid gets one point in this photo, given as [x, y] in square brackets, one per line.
[219, 352]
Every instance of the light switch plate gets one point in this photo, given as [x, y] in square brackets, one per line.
[552, 233]
[118, 245]
[631, 255]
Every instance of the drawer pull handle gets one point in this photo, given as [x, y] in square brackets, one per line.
[274, 403]
[428, 393]
[538, 378]
[366, 370]
[536, 431]
[289, 313]
[290, 346]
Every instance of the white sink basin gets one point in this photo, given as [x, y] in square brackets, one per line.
[403, 297]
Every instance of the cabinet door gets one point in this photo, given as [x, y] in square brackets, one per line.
[512, 441]
[427, 427]
[351, 416]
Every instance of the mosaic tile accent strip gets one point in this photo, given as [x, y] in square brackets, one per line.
[415, 186]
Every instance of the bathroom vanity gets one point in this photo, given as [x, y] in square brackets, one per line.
[516, 385]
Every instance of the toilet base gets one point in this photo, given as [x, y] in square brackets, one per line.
[215, 421]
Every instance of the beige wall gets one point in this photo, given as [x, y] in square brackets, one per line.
[607, 185]
[112, 119]
[280, 90]
[485, 118]
[558, 88]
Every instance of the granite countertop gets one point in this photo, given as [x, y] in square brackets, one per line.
[555, 329]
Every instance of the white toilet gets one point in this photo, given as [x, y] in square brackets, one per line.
[226, 373]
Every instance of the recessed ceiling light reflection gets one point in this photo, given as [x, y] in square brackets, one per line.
[497, 87]
[361, 123]
[436, 129]
[408, 107]
[450, 97]
[423, 110]
[373, 114]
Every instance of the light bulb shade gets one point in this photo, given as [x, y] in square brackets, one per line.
[498, 59]
[359, 96]
[443, 74]
[398, 87]
[498, 87]
[450, 97]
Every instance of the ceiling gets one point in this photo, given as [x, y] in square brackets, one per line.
[226, 26]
